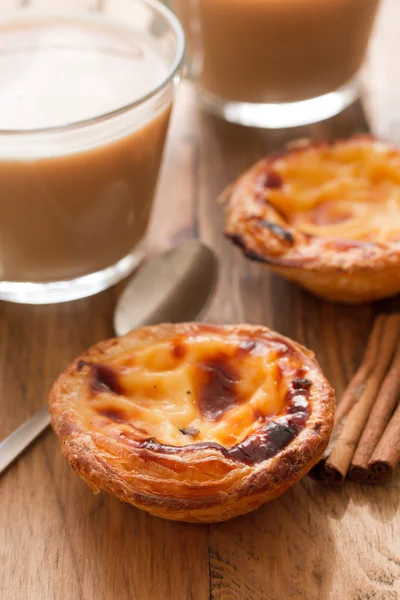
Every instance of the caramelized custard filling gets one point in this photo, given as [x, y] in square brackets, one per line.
[246, 396]
[343, 191]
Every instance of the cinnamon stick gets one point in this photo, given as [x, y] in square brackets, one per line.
[358, 399]
[358, 382]
[320, 471]
[379, 417]
[386, 455]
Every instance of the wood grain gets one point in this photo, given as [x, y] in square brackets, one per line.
[60, 541]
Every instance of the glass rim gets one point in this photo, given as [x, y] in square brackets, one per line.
[175, 24]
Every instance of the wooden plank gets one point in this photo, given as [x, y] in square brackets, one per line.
[313, 543]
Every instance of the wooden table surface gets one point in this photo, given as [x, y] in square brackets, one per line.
[59, 541]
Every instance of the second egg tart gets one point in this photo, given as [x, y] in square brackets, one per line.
[193, 422]
[325, 215]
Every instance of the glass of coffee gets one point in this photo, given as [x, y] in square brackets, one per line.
[276, 63]
[85, 100]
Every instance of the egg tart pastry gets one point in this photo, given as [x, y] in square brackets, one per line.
[193, 422]
[324, 215]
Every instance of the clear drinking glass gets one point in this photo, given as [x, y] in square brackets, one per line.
[276, 63]
[85, 97]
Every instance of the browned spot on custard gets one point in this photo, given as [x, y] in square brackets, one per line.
[192, 431]
[178, 350]
[271, 180]
[272, 437]
[217, 381]
[105, 379]
[114, 414]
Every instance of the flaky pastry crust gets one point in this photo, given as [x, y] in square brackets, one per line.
[193, 422]
[324, 215]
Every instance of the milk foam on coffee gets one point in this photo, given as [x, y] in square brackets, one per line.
[54, 73]
[70, 211]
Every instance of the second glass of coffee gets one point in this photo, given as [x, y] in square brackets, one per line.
[276, 63]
